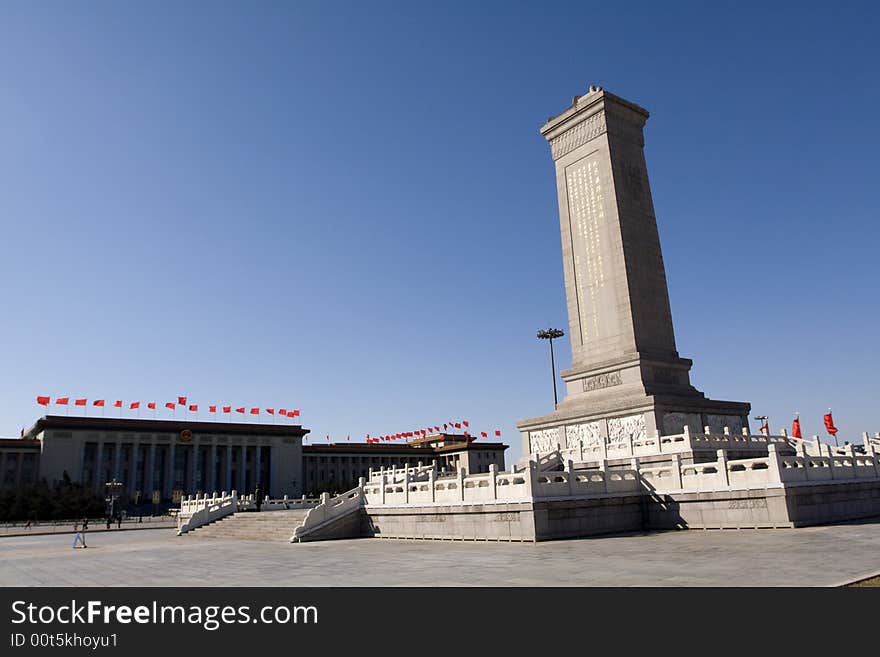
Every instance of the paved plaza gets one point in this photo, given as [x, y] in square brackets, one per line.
[816, 556]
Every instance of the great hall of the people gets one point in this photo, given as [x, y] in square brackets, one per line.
[164, 459]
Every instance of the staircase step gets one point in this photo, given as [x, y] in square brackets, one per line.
[262, 526]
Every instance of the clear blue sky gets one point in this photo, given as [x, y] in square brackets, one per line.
[347, 207]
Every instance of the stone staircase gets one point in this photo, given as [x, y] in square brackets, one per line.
[248, 526]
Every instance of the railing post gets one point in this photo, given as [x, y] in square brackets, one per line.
[830, 455]
[774, 464]
[531, 478]
[406, 485]
[722, 477]
[431, 485]
[383, 478]
[676, 471]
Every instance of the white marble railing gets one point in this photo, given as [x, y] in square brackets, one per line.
[399, 487]
[492, 486]
[772, 470]
[330, 509]
[683, 442]
[197, 512]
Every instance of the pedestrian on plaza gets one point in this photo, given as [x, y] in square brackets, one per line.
[119, 521]
[258, 497]
[108, 522]
[79, 535]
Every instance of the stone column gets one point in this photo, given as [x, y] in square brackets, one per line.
[132, 467]
[190, 483]
[169, 471]
[117, 457]
[212, 473]
[258, 457]
[150, 465]
[242, 471]
[228, 484]
[99, 465]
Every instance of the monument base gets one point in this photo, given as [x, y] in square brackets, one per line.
[619, 420]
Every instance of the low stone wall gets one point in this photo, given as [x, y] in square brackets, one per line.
[468, 522]
[815, 504]
[616, 514]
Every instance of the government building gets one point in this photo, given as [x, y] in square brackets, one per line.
[160, 460]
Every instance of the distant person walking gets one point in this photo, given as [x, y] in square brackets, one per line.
[119, 521]
[258, 497]
[79, 534]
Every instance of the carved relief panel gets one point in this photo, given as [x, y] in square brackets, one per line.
[622, 428]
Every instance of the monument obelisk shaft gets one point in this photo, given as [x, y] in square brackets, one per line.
[626, 377]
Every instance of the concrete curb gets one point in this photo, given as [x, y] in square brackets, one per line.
[860, 578]
[88, 531]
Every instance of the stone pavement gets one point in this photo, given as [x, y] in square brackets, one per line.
[783, 557]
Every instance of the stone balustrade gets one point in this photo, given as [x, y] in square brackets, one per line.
[198, 510]
[400, 487]
[656, 444]
[329, 510]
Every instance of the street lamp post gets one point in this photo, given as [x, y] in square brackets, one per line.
[765, 421]
[113, 488]
[549, 334]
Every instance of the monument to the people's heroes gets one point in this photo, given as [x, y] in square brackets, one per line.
[627, 378]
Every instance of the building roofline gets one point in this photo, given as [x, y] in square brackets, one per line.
[374, 448]
[78, 423]
[20, 442]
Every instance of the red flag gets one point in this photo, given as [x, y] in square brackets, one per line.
[151, 406]
[80, 402]
[62, 401]
[43, 401]
[465, 423]
[458, 425]
[498, 432]
[117, 403]
[181, 401]
[282, 411]
[97, 402]
[765, 429]
[484, 434]
[212, 409]
[437, 429]
[295, 412]
[194, 407]
[255, 411]
[227, 409]
[136, 404]
[240, 410]
[829, 424]
[796, 428]
[270, 411]
[444, 426]
[169, 405]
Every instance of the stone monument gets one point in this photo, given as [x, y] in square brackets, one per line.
[627, 379]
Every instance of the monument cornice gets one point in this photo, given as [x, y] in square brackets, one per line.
[584, 120]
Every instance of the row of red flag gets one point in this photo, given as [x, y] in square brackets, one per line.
[181, 402]
[406, 435]
[827, 420]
